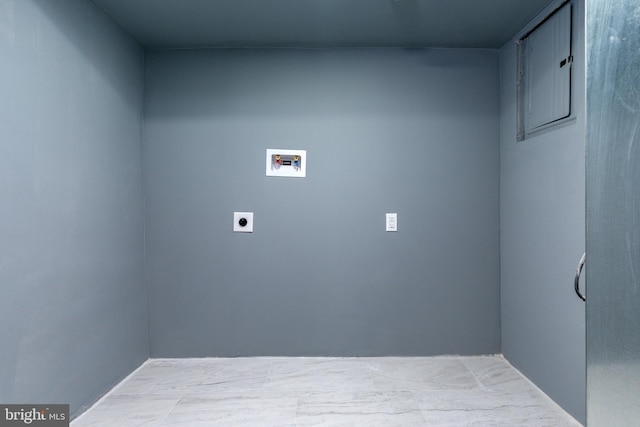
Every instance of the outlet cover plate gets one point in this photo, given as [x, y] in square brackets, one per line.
[286, 163]
[392, 222]
[237, 219]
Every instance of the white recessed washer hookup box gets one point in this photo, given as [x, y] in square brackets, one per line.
[287, 163]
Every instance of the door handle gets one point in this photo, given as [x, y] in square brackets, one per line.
[576, 282]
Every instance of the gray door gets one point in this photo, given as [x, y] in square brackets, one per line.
[613, 213]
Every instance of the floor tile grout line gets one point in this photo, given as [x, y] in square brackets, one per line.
[268, 376]
[473, 374]
[417, 403]
[159, 422]
[373, 381]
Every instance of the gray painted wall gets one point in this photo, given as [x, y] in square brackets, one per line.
[386, 130]
[542, 210]
[73, 309]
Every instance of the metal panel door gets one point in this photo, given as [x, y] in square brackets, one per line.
[613, 213]
[549, 71]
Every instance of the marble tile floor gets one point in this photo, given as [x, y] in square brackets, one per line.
[387, 391]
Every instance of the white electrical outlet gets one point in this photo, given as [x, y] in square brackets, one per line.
[392, 222]
[243, 222]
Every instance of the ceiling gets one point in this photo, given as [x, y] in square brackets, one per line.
[158, 24]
